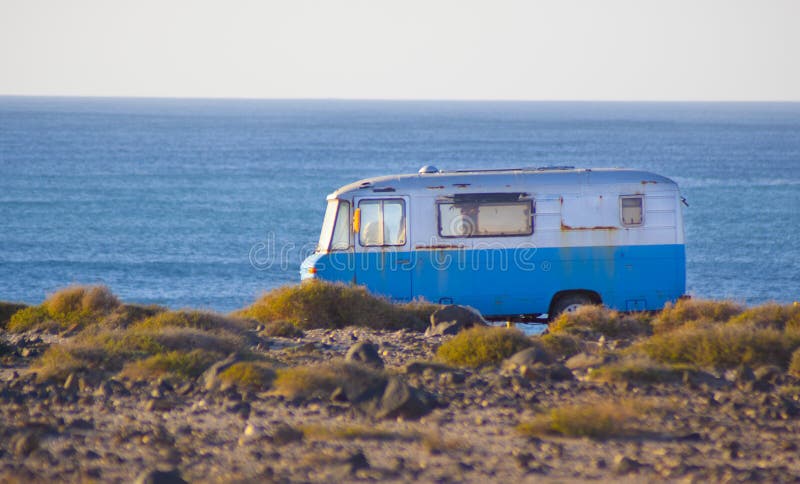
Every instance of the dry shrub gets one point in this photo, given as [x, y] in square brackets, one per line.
[248, 375]
[320, 304]
[7, 310]
[561, 344]
[794, 364]
[175, 364]
[722, 346]
[72, 306]
[597, 420]
[320, 380]
[282, 329]
[482, 345]
[687, 311]
[770, 315]
[128, 314]
[186, 339]
[594, 321]
[201, 320]
[640, 369]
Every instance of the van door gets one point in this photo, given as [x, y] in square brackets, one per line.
[383, 255]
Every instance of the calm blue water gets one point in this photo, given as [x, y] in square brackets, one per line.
[163, 200]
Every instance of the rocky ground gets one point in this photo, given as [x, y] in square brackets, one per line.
[737, 426]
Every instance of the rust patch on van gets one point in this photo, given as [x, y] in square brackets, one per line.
[438, 247]
[461, 185]
[645, 182]
[597, 227]
[437, 187]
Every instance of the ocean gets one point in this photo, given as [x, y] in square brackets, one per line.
[167, 201]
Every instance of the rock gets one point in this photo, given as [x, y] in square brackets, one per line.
[365, 353]
[741, 374]
[400, 400]
[283, 434]
[209, 379]
[452, 319]
[582, 361]
[156, 476]
[625, 465]
[527, 357]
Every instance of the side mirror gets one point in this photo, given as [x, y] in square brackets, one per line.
[356, 220]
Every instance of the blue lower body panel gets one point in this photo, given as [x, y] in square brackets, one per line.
[507, 282]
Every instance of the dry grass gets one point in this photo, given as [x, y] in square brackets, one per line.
[356, 432]
[73, 306]
[722, 346]
[174, 364]
[640, 369]
[770, 315]
[248, 375]
[482, 345]
[794, 364]
[596, 321]
[320, 380]
[202, 320]
[687, 311]
[596, 420]
[319, 304]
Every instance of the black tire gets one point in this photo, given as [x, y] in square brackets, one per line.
[570, 303]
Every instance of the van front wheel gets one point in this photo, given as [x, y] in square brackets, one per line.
[569, 303]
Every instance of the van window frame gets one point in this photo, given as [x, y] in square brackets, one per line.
[346, 205]
[489, 201]
[404, 218]
[631, 197]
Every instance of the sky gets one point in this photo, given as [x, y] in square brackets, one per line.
[663, 50]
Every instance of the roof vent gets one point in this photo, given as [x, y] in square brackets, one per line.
[428, 169]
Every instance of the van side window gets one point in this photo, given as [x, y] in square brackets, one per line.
[383, 222]
[341, 230]
[485, 219]
[631, 210]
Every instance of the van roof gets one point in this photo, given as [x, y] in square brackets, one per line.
[501, 180]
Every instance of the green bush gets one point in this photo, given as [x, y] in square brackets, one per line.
[482, 345]
[722, 346]
[319, 304]
[596, 321]
[687, 311]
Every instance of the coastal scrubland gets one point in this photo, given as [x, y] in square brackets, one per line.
[327, 382]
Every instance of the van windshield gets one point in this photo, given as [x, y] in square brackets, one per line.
[336, 226]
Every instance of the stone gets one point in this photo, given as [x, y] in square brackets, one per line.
[365, 353]
[527, 357]
[283, 434]
[25, 444]
[453, 318]
[400, 400]
[625, 465]
[156, 476]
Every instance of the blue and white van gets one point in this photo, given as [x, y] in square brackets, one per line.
[513, 243]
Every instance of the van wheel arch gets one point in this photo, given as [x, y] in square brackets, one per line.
[572, 298]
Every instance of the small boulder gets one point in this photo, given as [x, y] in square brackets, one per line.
[157, 476]
[452, 319]
[527, 357]
[365, 353]
[400, 400]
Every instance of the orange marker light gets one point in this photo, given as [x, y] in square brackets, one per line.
[312, 270]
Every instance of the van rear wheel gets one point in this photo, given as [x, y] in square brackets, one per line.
[569, 303]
